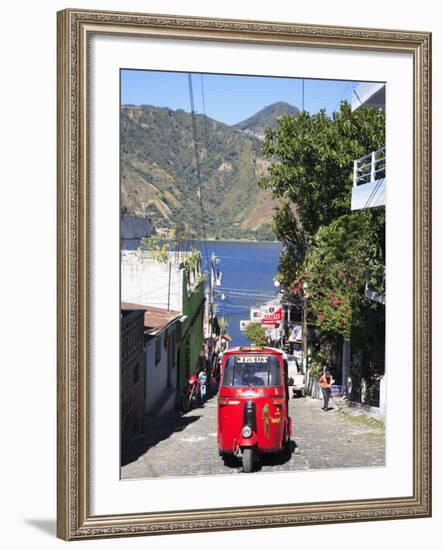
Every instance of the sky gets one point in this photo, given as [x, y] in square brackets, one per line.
[230, 99]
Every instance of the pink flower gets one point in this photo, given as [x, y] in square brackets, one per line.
[336, 302]
[350, 282]
[341, 274]
[330, 294]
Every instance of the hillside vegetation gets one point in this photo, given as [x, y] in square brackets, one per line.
[266, 118]
[159, 173]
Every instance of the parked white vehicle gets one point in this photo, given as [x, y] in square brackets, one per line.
[296, 377]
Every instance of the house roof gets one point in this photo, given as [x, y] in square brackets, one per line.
[155, 318]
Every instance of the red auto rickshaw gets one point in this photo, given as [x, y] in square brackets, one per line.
[252, 411]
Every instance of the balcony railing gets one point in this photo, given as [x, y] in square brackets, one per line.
[370, 168]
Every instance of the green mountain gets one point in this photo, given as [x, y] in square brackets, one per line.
[159, 174]
[266, 118]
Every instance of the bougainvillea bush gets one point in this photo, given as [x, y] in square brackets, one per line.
[344, 257]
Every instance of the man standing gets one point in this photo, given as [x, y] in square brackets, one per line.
[326, 382]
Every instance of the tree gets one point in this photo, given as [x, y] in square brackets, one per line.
[344, 257]
[311, 172]
[329, 253]
[256, 334]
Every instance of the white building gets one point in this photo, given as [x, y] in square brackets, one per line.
[369, 94]
[169, 286]
[369, 171]
[154, 283]
[369, 189]
[161, 334]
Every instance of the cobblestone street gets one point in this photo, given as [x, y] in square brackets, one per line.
[182, 445]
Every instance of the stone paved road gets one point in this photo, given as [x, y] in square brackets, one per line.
[180, 445]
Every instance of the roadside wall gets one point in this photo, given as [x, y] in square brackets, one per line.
[148, 282]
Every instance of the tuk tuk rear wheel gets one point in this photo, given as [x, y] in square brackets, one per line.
[248, 460]
[287, 447]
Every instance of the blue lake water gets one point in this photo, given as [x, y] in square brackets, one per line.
[248, 270]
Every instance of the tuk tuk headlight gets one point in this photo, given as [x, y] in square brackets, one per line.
[246, 431]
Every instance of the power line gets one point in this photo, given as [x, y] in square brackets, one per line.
[373, 193]
[197, 160]
[246, 294]
[239, 259]
[205, 118]
[343, 94]
[246, 290]
[206, 135]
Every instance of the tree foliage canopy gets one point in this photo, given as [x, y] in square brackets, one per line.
[344, 257]
[328, 250]
[311, 171]
[256, 334]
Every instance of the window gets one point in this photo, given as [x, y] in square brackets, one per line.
[252, 370]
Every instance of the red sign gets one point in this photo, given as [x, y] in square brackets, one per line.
[272, 315]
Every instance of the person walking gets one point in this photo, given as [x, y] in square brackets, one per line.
[202, 378]
[326, 382]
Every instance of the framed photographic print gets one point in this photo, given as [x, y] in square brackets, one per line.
[243, 274]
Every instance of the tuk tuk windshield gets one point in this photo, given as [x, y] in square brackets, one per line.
[252, 370]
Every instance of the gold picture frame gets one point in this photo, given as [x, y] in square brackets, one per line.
[75, 28]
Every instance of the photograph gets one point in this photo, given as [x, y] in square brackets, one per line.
[229, 234]
[252, 274]
[243, 300]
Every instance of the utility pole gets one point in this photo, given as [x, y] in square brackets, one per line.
[210, 300]
[305, 330]
[169, 285]
[211, 288]
[346, 365]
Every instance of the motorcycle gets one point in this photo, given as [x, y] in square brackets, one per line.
[191, 394]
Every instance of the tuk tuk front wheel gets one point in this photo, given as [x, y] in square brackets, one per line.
[248, 460]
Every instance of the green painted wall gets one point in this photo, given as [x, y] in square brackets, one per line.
[191, 342]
